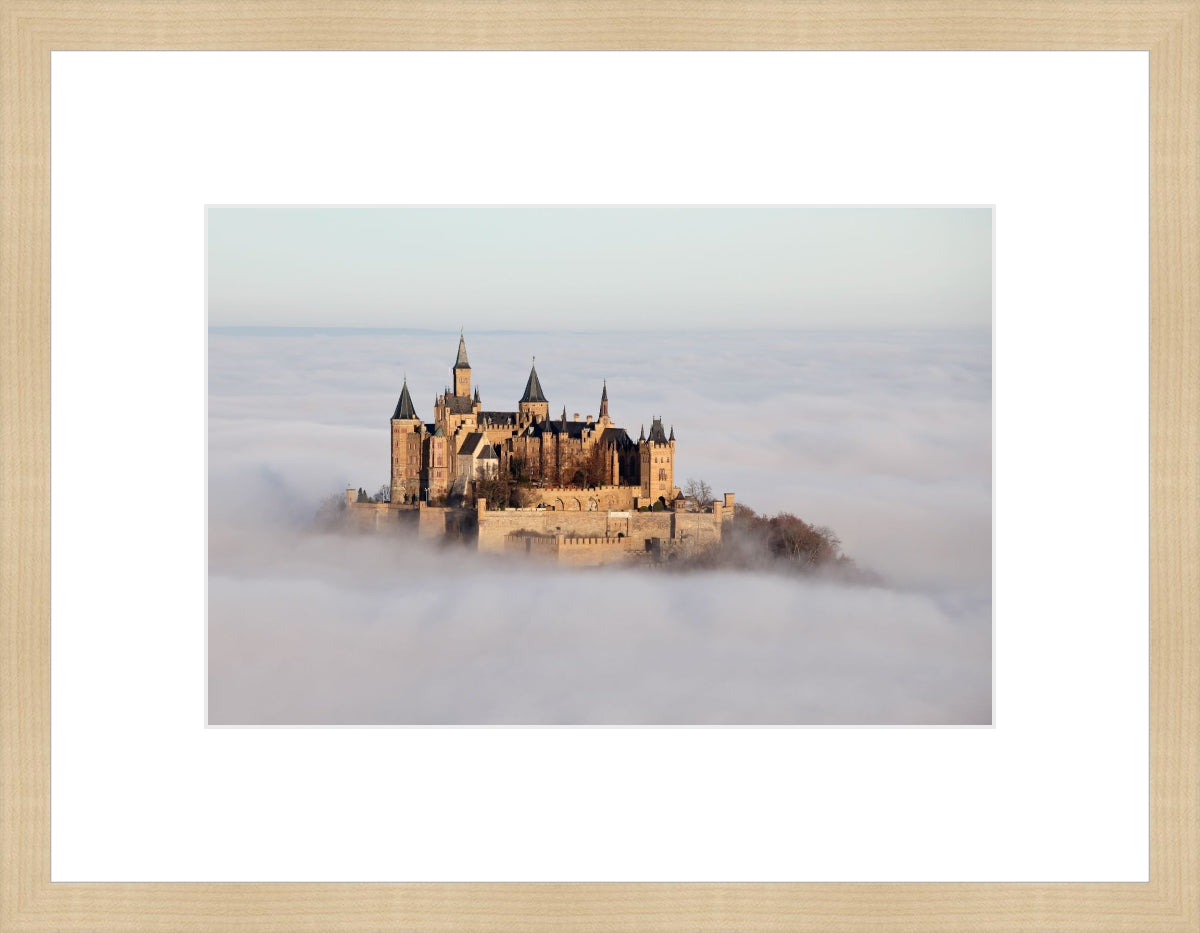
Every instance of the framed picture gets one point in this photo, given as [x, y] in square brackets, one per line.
[669, 829]
[758, 332]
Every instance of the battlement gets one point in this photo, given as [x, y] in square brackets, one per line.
[575, 490]
[597, 542]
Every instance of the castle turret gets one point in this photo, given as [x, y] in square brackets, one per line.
[533, 403]
[604, 403]
[437, 466]
[404, 408]
[656, 455]
[462, 370]
[407, 431]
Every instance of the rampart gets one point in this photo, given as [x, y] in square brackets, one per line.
[576, 551]
[594, 537]
[577, 537]
[578, 499]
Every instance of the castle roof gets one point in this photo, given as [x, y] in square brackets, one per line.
[617, 436]
[461, 362]
[604, 392]
[474, 443]
[533, 388]
[488, 453]
[459, 405]
[404, 407]
[558, 427]
[657, 434]
[498, 417]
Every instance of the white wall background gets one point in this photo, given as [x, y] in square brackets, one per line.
[1057, 791]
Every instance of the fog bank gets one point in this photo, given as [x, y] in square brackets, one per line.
[884, 437]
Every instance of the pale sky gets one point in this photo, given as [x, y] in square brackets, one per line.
[588, 268]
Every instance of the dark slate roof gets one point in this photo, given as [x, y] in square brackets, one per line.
[488, 453]
[533, 388]
[475, 442]
[461, 362]
[459, 405]
[616, 436]
[558, 427]
[498, 417]
[404, 407]
[657, 434]
[604, 392]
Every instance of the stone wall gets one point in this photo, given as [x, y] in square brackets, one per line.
[574, 499]
[629, 530]
[591, 552]
[380, 516]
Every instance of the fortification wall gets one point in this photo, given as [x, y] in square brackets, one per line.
[380, 516]
[630, 530]
[570, 499]
[495, 526]
[578, 552]
[431, 522]
[366, 516]
[592, 552]
[532, 544]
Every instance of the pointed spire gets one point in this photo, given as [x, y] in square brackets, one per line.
[604, 401]
[564, 416]
[604, 392]
[533, 388]
[461, 362]
[642, 436]
[404, 407]
[672, 437]
[477, 393]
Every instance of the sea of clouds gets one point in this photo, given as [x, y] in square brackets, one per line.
[884, 437]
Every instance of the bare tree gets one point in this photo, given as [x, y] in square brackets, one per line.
[331, 516]
[699, 490]
[597, 465]
[384, 494]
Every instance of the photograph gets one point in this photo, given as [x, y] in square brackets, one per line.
[447, 444]
[599, 466]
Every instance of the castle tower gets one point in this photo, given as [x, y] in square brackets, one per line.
[604, 404]
[462, 370]
[656, 455]
[437, 470]
[407, 431]
[533, 403]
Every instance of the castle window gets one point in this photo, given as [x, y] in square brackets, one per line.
[662, 475]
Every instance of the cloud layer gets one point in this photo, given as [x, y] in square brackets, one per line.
[884, 437]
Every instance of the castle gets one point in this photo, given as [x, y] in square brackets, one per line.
[585, 491]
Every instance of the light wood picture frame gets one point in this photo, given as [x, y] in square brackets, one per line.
[31, 29]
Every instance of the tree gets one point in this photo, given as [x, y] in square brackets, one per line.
[597, 465]
[384, 494]
[794, 539]
[362, 495]
[699, 490]
[332, 514]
